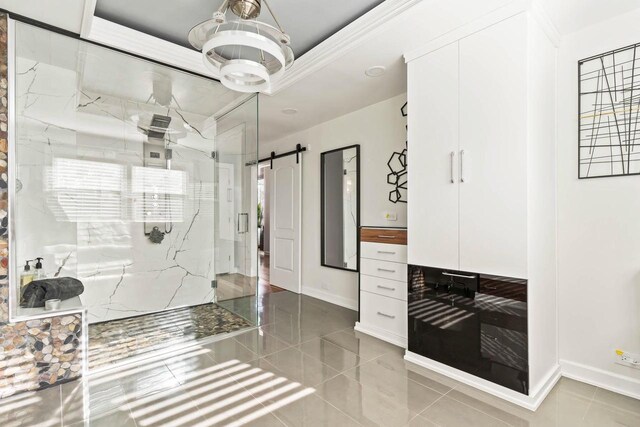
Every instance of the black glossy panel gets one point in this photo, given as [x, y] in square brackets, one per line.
[473, 322]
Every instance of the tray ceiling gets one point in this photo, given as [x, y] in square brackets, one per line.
[307, 22]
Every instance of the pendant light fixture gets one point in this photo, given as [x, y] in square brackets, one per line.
[246, 55]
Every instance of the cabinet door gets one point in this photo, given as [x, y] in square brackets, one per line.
[433, 146]
[493, 167]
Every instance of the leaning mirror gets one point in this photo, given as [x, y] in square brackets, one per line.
[340, 207]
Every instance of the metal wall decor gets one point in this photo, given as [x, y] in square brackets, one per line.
[397, 176]
[609, 112]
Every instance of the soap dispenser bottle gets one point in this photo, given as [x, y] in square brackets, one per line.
[39, 273]
[26, 276]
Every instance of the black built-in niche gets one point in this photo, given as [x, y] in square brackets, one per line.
[473, 322]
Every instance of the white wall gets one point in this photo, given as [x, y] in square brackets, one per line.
[380, 130]
[598, 234]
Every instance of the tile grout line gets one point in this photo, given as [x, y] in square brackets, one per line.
[593, 396]
[419, 414]
[416, 382]
[200, 407]
[273, 352]
[477, 409]
[338, 409]
[61, 406]
[480, 410]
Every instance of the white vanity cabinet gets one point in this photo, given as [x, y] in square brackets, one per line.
[383, 284]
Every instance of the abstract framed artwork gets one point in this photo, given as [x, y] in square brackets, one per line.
[397, 164]
[609, 112]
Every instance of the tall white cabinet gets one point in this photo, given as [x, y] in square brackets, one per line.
[481, 152]
[468, 128]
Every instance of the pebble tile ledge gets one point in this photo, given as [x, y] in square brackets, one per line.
[36, 353]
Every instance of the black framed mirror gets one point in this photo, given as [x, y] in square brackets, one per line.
[340, 208]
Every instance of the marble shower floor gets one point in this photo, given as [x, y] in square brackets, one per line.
[304, 366]
[113, 341]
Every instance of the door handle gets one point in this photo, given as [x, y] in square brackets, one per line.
[245, 223]
[451, 156]
[386, 288]
[464, 276]
[461, 165]
[385, 236]
[387, 270]
[387, 252]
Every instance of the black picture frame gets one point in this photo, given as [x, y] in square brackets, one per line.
[581, 104]
[323, 262]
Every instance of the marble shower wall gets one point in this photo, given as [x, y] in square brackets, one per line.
[83, 177]
[40, 352]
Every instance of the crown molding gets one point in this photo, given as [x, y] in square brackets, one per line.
[87, 17]
[546, 23]
[120, 37]
[335, 46]
[504, 12]
[142, 44]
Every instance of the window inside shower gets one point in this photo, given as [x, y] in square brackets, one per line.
[132, 187]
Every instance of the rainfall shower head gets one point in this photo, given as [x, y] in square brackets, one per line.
[158, 127]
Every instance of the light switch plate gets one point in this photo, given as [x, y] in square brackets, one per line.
[391, 216]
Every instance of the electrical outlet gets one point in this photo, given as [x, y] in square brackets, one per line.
[391, 216]
[627, 359]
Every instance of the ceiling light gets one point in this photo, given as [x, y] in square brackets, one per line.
[289, 111]
[246, 55]
[375, 71]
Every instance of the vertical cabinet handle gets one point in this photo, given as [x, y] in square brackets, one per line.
[451, 156]
[461, 165]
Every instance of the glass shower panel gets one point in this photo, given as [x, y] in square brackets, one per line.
[131, 185]
[237, 239]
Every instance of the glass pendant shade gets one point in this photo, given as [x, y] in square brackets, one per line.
[246, 55]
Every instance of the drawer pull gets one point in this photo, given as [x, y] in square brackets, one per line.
[386, 236]
[386, 287]
[386, 315]
[386, 270]
[464, 276]
[387, 252]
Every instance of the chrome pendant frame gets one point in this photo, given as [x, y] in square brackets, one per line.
[245, 9]
[245, 54]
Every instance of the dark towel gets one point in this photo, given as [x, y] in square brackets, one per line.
[38, 291]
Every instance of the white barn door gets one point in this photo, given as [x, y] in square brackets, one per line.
[285, 195]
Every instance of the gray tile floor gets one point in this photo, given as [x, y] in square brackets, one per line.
[304, 366]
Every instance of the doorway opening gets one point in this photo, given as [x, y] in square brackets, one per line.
[264, 229]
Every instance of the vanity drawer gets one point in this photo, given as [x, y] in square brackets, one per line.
[384, 235]
[384, 287]
[384, 269]
[384, 252]
[384, 313]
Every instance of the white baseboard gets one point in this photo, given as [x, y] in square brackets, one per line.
[382, 335]
[530, 402]
[600, 378]
[330, 298]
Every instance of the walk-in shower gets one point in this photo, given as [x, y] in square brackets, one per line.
[131, 177]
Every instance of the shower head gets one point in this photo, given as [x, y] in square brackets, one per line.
[158, 127]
